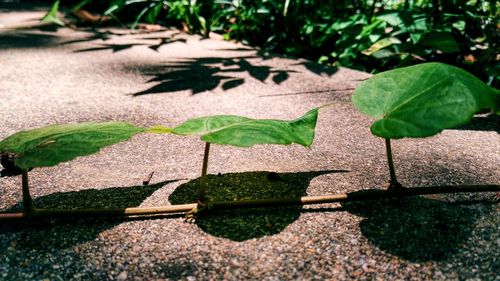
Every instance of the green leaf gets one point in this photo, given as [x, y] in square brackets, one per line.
[152, 14]
[372, 28]
[246, 132]
[114, 6]
[496, 107]
[392, 18]
[51, 145]
[442, 41]
[79, 5]
[383, 54]
[422, 100]
[383, 43]
[138, 17]
[51, 15]
[460, 25]
[406, 22]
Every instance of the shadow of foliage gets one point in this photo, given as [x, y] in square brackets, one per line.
[174, 270]
[244, 224]
[9, 169]
[46, 36]
[9, 173]
[114, 47]
[78, 230]
[18, 6]
[27, 39]
[114, 197]
[95, 34]
[205, 74]
[416, 228]
[319, 69]
[489, 122]
[29, 247]
[35, 247]
[108, 46]
[164, 41]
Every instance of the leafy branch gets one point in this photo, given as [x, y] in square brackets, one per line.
[415, 102]
[421, 101]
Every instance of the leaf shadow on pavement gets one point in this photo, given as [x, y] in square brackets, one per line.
[489, 122]
[49, 233]
[418, 229]
[49, 248]
[153, 43]
[47, 36]
[94, 35]
[43, 37]
[27, 39]
[244, 224]
[432, 227]
[208, 73]
[318, 69]
[18, 6]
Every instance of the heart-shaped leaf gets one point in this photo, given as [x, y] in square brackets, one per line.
[422, 100]
[51, 145]
[246, 132]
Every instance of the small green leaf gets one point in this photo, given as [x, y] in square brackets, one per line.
[382, 43]
[152, 14]
[422, 100]
[383, 54]
[460, 25]
[138, 17]
[246, 132]
[442, 41]
[51, 15]
[79, 5]
[114, 6]
[51, 145]
[496, 107]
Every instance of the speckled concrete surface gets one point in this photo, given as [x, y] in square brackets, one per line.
[62, 76]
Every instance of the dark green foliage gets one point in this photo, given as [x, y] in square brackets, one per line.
[370, 35]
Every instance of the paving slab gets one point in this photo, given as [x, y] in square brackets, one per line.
[64, 76]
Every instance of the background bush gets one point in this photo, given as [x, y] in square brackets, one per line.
[370, 35]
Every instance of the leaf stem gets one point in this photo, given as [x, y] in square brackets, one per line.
[202, 192]
[393, 183]
[27, 201]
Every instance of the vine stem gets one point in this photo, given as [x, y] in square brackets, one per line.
[27, 201]
[203, 179]
[393, 183]
[362, 195]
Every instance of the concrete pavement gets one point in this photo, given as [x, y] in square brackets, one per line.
[64, 75]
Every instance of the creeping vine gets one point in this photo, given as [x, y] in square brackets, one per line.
[404, 107]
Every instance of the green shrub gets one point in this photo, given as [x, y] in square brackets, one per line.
[370, 35]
